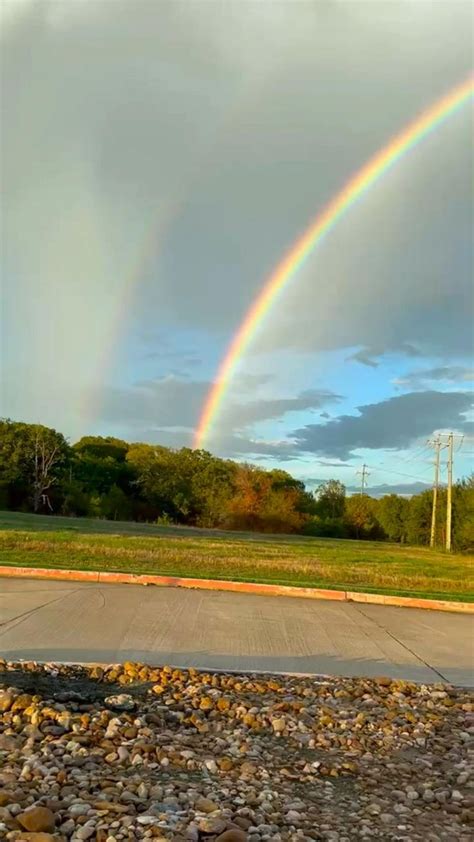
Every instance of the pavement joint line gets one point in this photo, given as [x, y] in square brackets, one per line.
[25, 614]
[404, 646]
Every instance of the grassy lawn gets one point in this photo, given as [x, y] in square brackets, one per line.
[84, 544]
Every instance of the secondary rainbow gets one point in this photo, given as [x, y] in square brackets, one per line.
[352, 191]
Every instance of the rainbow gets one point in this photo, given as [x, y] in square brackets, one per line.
[324, 222]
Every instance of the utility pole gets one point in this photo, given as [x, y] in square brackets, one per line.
[436, 443]
[363, 474]
[441, 441]
[450, 489]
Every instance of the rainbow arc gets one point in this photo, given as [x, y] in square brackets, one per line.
[324, 222]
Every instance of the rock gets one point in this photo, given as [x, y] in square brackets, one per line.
[248, 769]
[79, 808]
[6, 700]
[232, 836]
[292, 759]
[211, 766]
[242, 822]
[205, 805]
[37, 819]
[121, 702]
[86, 831]
[110, 806]
[67, 827]
[214, 826]
[31, 836]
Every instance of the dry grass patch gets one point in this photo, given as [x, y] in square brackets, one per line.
[352, 565]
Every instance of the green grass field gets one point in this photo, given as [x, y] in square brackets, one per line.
[83, 544]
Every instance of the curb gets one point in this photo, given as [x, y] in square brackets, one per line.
[238, 587]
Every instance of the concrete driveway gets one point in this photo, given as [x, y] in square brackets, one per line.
[61, 621]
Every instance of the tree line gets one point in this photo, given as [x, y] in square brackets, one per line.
[106, 477]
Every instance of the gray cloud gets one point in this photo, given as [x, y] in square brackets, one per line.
[172, 401]
[159, 159]
[367, 356]
[242, 415]
[405, 489]
[448, 373]
[228, 445]
[244, 382]
[394, 423]
[165, 402]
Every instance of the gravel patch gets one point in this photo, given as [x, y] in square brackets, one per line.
[129, 752]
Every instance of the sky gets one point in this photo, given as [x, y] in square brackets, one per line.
[159, 159]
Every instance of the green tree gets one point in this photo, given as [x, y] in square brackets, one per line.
[33, 462]
[463, 514]
[76, 502]
[392, 514]
[100, 463]
[419, 518]
[330, 499]
[164, 479]
[360, 517]
[115, 505]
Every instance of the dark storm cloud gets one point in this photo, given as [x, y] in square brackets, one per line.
[394, 423]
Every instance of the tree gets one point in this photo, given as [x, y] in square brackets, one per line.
[47, 456]
[360, 517]
[330, 499]
[419, 517]
[212, 488]
[463, 514]
[100, 463]
[265, 501]
[392, 513]
[76, 500]
[115, 505]
[33, 461]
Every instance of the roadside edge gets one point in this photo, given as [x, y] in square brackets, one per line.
[259, 589]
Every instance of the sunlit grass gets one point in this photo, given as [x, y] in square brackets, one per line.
[71, 543]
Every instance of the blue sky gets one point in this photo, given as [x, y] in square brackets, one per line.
[160, 159]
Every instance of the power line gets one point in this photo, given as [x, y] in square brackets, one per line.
[398, 473]
[416, 456]
[363, 473]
